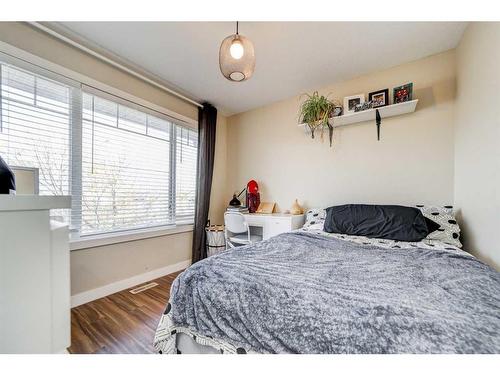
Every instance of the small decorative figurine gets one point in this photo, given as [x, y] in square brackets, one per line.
[296, 209]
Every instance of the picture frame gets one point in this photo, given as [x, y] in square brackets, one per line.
[350, 102]
[379, 98]
[403, 93]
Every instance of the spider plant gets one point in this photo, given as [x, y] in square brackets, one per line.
[315, 111]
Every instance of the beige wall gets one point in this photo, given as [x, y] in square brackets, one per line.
[413, 162]
[477, 140]
[99, 266]
[96, 267]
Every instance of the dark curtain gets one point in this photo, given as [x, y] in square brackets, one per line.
[207, 119]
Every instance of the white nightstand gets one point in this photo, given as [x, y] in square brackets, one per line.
[274, 224]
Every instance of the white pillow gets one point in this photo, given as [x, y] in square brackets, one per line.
[448, 231]
[315, 219]
[445, 209]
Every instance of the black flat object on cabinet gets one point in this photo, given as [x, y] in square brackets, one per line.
[7, 179]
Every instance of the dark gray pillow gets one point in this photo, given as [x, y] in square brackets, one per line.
[377, 221]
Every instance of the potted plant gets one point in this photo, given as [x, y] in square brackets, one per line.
[315, 112]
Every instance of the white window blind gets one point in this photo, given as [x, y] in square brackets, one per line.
[125, 170]
[35, 126]
[125, 165]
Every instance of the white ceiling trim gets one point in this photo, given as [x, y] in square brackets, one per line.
[113, 61]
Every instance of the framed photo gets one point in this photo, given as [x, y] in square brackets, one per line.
[350, 102]
[403, 93]
[379, 98]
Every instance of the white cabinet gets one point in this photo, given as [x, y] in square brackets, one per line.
[34, 276]
[274, 224]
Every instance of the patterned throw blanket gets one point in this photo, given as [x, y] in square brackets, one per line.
[306, 293]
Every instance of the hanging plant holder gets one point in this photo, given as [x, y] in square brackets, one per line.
[315, 125]
[315, 112]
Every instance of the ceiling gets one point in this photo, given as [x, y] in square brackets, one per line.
[291, 57]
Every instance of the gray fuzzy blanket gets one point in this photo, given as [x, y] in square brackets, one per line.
[305, 293]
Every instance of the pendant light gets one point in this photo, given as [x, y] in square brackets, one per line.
[237, 57]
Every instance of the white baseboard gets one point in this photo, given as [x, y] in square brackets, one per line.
[117, 286]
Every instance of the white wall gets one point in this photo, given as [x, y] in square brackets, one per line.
[413, 162]
[477, 140]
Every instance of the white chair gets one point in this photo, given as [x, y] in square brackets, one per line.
[236, 230]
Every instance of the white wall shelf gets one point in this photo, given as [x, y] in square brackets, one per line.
[369, 114]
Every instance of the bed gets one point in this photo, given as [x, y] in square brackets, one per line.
[309, 291]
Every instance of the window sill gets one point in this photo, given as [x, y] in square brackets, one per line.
[139, 234]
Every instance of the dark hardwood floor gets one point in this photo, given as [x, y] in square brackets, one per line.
[120, 323]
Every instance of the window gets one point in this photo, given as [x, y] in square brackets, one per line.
[126, 166]
[35, 127]
[127, 158]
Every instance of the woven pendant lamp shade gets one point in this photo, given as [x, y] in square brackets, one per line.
[239, 65]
